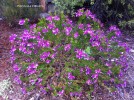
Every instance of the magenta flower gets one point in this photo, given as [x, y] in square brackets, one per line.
[44, 30]
[49, 18]
[68, 30]
[22, 22]
[44, 55]
[12, 38]
[60, 93]
[94, 76]
[56, 18]
[17, 80]
[55, 31]
[80, 54]
[43, 43]
[97, 71]
[76, 35]
[70, 22]
[13, 49]
[88, 70]
[16, 68]
[70, 76]
[51, 26]
[118, 33]
[53, 55]
[48, 61]
[67, 47]
[115, 29]
[39, 80]
[80, 12]
[23, 90]
[95, 43]
[32, 81]
[81, 26]
[109, 72]
[89, 31]
[89, 82]
[81, 70]
[32, 68]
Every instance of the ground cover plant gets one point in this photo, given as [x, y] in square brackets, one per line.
[68, 59]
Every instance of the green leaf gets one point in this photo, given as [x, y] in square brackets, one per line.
[88, 50]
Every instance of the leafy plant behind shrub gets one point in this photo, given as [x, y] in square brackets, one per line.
[119, 12]
[113, 11]
[12, 10]
[62, 58]
[67, 6]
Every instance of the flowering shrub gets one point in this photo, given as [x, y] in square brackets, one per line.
[63, 58]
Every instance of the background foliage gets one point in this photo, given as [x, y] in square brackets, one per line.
[12, 12]
[119, 12]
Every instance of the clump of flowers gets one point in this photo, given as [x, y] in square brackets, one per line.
[63, 58]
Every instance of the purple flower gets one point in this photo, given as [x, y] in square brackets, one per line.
[97, 71]
[32, 68]
[70, 76]
[79, 12]
[94, 76]
[60, 93]
[22, 22]
[32, 26]
[88, 70]
[89, 82]
[81, 26]
[12, 38]
[17, 80]
[44, 30]
[56, 18]
[115, 29]
[48, 61]
[109, 72]
[124, 84]
[53, 55]
[51, 26]
[43, 43]
[89, 31]
[55, 31]
[76, 35]
[23, 90]
[44, 55]
[68, 30]
[12, 59]
[95, 43]
[39, 80]
[49, 18]
[13, 49]
[88, 13]
[32, 81]
[33, 65]
[16, 68]
[70, 22]
[67, 47]
[81, 70]
[80, 54]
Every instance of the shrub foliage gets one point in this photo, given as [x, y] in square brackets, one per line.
[64, 58]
